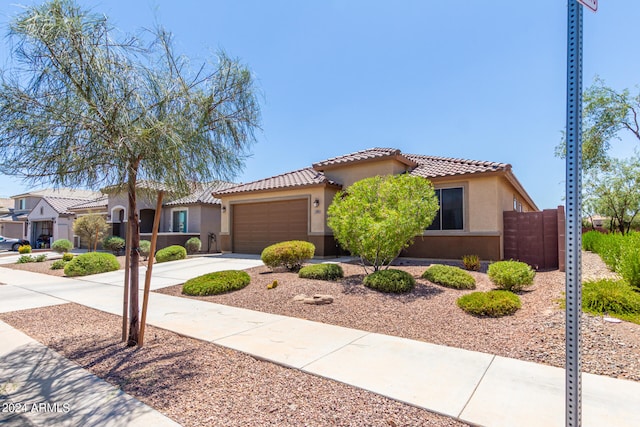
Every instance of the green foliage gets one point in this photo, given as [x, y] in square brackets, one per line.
[193, 245]
[591, 240]
[495, 303]
[290, 255]
[471, 262]
[144, 247]
[58, 264]
[40, 258]
[629, 263]
[62, 246]
[67, 257]
[171, 253]
[91, 263]
[390, 281]
[90, 228]
[321, 272]
[24, 249]
[511, 275]
[114, 244]
[377, 217]
[610, 296]
[25, 259]
[449, 276]
[216, 283]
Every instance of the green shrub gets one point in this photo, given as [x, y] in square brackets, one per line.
[24, 249]
[193, 245]
[25, 259]
[40, 258]
[493, 303]
[449, 276]
[471, 262]
[609, 296]
[114, 243]
[67, 256]
[511, 275]
[391, 281]
[289, 254]
[591, 240]
[62, 246]
[629, 264]
[91, 263]
[321, 272]
[171, 253]
[144, 248]
[58, 264]
[216, 283]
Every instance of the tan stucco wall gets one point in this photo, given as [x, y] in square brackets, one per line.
[351, 173]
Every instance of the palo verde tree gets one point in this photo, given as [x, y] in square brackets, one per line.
[606, 115]
[614, 191]
[91, 228]
[83, 106]
[377, 217]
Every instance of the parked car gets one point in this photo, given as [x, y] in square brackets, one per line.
[11, 244]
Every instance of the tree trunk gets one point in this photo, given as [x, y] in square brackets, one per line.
[134, 254]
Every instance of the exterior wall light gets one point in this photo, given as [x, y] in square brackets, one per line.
[316, 203]
[224, 209]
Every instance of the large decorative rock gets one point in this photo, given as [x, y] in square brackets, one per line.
[317, 299]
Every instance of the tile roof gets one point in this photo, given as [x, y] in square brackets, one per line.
[101, 202]
[431, 166]
[67, 193]
[358, 156]
[299, 178]
[63, 205]
[424, 166]
[203, 194]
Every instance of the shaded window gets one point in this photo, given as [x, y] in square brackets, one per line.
[22, 204]
[450, 215]
[179, 221]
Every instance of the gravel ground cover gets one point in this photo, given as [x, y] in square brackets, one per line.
[198, 383]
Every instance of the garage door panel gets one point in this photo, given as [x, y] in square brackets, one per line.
[258, 225]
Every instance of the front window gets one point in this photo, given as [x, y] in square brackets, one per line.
[22, 204]
[179, 223]
[450, 216]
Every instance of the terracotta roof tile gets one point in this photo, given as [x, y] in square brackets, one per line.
[298, 178]
[203, 194]
[101, 202]
[431, 166]
[371, 153]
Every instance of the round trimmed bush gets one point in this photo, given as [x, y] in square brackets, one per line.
[449, 276]
[171, 253]
[144, 247]
[24, 249]
[62, 246]
[289, 255]
[390, 281]
[67, 256]
[495, 303]
[511, 275]
[610, 296]
[193, 245]
[216, 283]
[91, 263]
[58, 264]
[321, 272]
[114, 243]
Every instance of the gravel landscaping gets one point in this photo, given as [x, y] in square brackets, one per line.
[198, 383]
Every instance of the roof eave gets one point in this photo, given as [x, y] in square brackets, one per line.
[271, 190]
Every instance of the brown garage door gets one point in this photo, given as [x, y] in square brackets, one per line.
[258, 225]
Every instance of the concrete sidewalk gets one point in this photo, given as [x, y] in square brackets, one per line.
[478, 388]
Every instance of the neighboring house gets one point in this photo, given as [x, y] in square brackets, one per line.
[194, 215]
[46, 215]
[10, 225]
[473, 196]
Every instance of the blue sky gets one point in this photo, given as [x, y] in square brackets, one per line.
[482, 80]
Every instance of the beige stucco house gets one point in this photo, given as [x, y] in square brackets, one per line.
[473, 196]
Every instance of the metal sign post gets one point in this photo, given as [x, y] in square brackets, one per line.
[574, 215]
